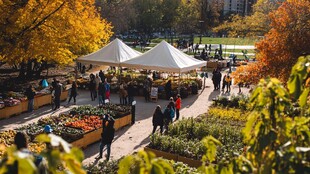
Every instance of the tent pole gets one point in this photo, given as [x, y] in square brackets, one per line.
[120, 71]
[179, 86]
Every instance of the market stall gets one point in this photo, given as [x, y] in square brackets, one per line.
[165, 58]
[80, 126]
[14, 103]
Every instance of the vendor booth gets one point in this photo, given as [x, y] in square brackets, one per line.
[112, 55]
[166, 58]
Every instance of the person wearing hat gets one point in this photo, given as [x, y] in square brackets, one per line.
[48, 129]
[178, 106]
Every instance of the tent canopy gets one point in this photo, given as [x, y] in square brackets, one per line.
[164, 57]
[112, 54]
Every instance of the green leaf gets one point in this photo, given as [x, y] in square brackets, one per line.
[26, 166]
[78, 154]
[72, 164]
[303, 97]
[124, 165]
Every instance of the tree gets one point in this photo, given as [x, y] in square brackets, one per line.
[256, 24]
[56, 31]
[120, 13]
[148, 15]
[188, 17]
[288, 39]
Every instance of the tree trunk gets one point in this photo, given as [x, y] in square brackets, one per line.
[29, 71]
[22, 71]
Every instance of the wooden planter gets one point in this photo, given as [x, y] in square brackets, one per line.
[24, 105]
[166, 155]
[88, 138]
[94, 136]
[64, 95]
[123, 121]
[42, 100]
[175, 157]
[10, 111]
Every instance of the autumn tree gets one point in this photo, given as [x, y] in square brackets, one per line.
[35, 32]
[256, 24]
[288, 39]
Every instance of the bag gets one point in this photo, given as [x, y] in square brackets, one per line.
[44, 83]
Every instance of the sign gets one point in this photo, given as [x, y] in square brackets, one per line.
[154, 92]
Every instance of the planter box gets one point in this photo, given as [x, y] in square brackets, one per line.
[42, 100]
[94, 136]
[123, 121]
[175, 157]
[88, 138]
[166, 155]
[10, 111]
[24, 105]
[64, 95]
[189, 161]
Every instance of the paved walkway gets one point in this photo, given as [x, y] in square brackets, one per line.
[130, 138]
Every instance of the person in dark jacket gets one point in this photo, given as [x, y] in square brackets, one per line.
[101, 75]
[158, 119]
[57, 95]
[168, 89]
[101, 93]
[107, 137]
[167, 117]
[92, 87]
[73, 93]
[30, 93]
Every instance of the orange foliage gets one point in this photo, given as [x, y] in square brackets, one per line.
[288, 39]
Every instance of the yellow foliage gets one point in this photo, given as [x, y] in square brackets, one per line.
[54, 31]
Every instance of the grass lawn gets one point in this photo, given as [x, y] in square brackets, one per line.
[211, 40]
[227, 41]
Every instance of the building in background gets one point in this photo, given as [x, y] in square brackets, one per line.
[242, 7]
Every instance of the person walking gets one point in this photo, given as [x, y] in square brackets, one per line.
[168, 117]
[101, 75]
[57, 95]
[172, 106]
[107, 89]
[30, 93]
[73, 93]
[146, 92]
[224, 83]
[178, 103]
[97, 80]
[228, 80]
[158, 119]
[92, 87]
[123, 94]
[101, 94]
[168, 90]
[107, 137]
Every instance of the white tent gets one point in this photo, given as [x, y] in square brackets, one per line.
[112, 54]
[164, 57]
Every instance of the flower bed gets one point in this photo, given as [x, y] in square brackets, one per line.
[184, 137]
